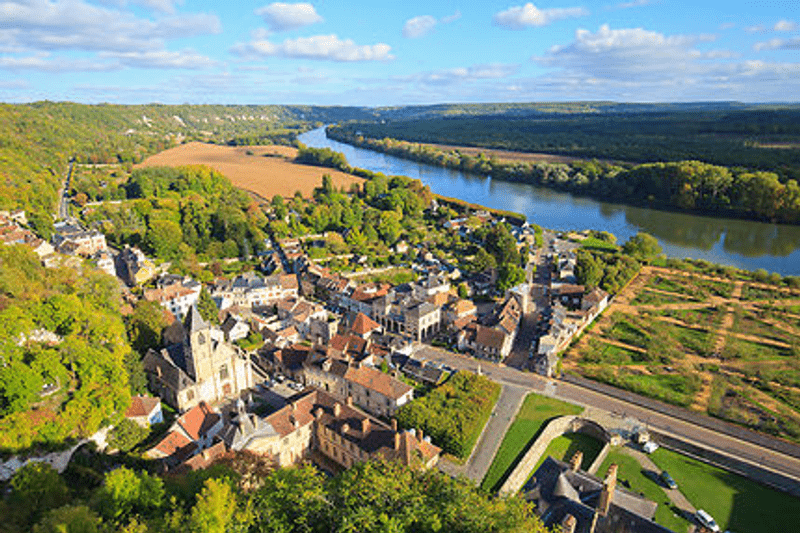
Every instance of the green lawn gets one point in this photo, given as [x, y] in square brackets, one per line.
[735, 502]
[565, 446]
[631, 476]
[531, 418]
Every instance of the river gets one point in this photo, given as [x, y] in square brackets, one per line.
[742, 243]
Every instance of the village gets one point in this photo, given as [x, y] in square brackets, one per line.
[334, 359]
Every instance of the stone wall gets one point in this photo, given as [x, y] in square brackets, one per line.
[555, 428]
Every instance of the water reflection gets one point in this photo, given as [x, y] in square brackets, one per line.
[741, 243]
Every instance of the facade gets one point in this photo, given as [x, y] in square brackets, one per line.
[145, 411]
[134, 267]
[71, 239]
[175, 294]
[401, 311]
[369, 388]
[250, 290]
[200, 367]
[316, 422]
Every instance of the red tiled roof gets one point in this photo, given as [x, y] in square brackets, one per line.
[363, 324]
[141, 406]
[206, 458]
[377, 381]
[198, 420]
[175, 444]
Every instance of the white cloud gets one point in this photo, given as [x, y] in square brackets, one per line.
[520, 17]
[778, 44]
[425, 24]
[46, 63]
[321, 47]
[280, 16]
[186, 59]
[785, 25]
[623, 53]
[461, 75]
[78, 25]
[418, 26]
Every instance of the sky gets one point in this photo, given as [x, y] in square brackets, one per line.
[379, 53]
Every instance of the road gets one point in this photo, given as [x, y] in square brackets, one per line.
[720, 442]
[63, 195]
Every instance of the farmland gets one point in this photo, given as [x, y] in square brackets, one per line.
[263, 170]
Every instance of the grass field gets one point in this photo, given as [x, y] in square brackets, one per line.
[565, 446]
[735, 502]
[631, 476]
[535, 411]
[248, 169]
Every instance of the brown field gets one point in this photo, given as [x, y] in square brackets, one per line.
[506, 155]
[270, 170]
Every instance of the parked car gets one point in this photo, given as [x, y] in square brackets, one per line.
[649, 447]
[668, 481]
[706, 520]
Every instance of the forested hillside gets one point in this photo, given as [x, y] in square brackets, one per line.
[63, 352]
[37, 140]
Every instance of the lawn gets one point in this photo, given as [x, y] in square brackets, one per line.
[631, 476]
[535, 411]
[565, 446]
[646, 297]
[735, 502]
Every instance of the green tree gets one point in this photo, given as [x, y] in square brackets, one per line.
[69, 519]
[163, 238]
[127, 493]
[509, 276]
[35, 489]
[642, 246]
[145, 326]
[215, 510]
[207, 308]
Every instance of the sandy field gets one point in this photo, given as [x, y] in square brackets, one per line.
[269, 171]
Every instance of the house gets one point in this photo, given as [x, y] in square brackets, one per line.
[71, 239]
[373, 390]
[315, 422]
[194, 431]
[250, 290]
[197, 365]
[176, 294]
[568, 498]
[403, 312]
[145, 411]
[105, 262]
[360, 299]
[134, 267]
[364, 326]
[234, 328]
[457, 310]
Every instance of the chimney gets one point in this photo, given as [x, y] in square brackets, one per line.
[575, 462]
[345, 428]
[365, 425]
[394, 425]
[294, 421]
[337, 409]
[419, 434]
[397, 441]
[317, 413]
[349, 401]
[568, 524]
[607, 494]
[205, 455]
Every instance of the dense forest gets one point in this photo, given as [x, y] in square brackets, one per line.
[64, 352]
[243, 493]
[684, 185]
[177, 214]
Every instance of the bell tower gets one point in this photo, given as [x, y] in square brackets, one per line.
[197, 346]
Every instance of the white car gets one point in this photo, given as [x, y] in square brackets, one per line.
[706, 520]
[649, 447]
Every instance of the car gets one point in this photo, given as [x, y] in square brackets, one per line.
[667, 480]
[706, 520]
[649, 446]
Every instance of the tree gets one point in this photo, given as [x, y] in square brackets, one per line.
[145, 326]
[642, 246]
[37, 488]
[163, 238]
[509, 276]
[126, 435]
[69, 519]
[215, 510]
[127, 493]
[207, 308]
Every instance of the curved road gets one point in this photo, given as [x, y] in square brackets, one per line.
[740, 449]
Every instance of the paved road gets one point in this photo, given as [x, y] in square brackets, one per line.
[504, 412]
[746, 451]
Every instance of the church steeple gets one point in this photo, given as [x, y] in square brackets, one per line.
[197, 345]
[194, 322]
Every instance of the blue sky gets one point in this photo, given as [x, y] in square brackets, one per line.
[352, 52]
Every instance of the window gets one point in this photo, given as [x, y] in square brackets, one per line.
[201, 339]
[223, 372]
[189, 395]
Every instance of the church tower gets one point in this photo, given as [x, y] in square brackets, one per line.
[198, 346]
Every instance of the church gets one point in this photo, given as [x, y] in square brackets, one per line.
[197, 365]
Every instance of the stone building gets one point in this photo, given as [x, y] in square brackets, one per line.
[199, 365]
